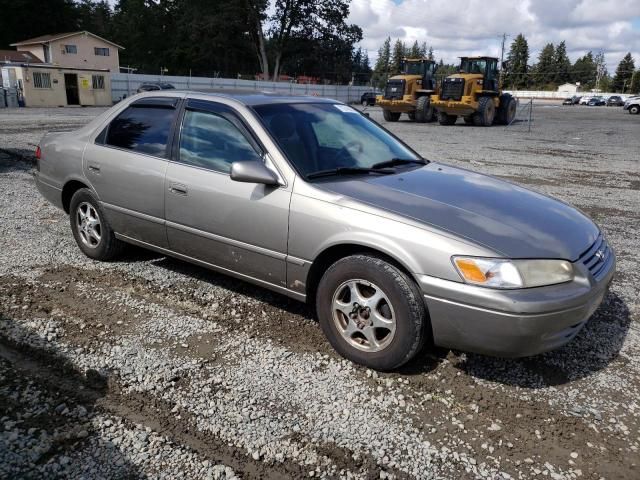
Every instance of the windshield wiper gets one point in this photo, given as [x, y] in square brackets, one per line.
[347, 171]
[397, 161]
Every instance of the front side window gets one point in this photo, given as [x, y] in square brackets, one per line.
[210, 141]
[41, 80]
[324, 136]
[72, 49]
[101, 52]
[142, 129]
[97, 82]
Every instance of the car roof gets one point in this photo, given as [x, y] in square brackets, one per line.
[248, 98]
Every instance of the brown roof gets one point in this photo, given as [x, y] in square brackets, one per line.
[18, 57]
[57, 36]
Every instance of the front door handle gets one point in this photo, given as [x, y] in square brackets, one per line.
[94, 168]
[178, 188]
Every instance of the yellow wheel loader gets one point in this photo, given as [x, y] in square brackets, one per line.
[475, 95]
[410, 92]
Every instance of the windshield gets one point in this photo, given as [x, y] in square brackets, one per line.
[413, 68]
[473, 66]
[322, 136]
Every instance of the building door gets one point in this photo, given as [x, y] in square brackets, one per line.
[71, 87]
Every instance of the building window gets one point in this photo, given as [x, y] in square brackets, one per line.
[97, 81]
[41, 80]
[101, 52]
[72, 49]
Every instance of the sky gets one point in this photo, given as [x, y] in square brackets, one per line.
[475, 27]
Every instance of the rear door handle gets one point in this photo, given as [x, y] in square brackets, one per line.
[94, 168]
[178, 188]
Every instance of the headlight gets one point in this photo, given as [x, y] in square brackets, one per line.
[504, 273]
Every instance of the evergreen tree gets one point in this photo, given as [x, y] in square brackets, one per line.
[515, 73]
[624, 72]
[584, 71]
[562, 64]
[635, 83]
[430, 54]
[544, 69]
[397, 56]
[423, 49]
[381, 69]
[415, 50]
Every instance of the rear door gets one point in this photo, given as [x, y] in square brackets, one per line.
[236, 226]
[126, 166]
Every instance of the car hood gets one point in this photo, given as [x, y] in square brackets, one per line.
[504, 217]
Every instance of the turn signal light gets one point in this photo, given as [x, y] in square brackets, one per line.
[470, 270]
[38, 152]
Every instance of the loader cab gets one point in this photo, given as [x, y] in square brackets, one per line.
[423, 67]
[485, 66]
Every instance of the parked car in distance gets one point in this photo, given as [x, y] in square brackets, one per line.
[368, 99]
[596, 101]
[567, 101]
[151, 87]
[310, 198]
[615, 101]
[632, 105]
[584, 100]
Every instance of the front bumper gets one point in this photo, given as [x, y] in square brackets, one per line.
[462, 107]
[513, 323]
[405, 105]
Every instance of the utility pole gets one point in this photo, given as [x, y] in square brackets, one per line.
[504, 39]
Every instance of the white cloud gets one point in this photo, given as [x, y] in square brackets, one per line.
[471, 27]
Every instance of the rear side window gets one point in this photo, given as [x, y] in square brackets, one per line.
[211, 141]
[142, 129]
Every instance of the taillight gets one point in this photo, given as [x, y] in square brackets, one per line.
[38, 157]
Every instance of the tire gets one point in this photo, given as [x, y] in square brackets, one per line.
[424, 110]
[400, 307]
[486, 112]
[445, 119]
[634, 109]
[412, 116]
[468, 120]
[506, 110]
[390, 116]
[95, 236]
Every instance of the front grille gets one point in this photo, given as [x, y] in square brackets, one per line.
[452, 88]
[394, 90]
[597, 257]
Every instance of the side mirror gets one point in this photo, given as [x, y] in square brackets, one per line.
[253, 171]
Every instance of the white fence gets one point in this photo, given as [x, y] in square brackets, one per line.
[557, 95]
[126, 84]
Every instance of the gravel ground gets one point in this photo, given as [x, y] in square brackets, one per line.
[150, 367]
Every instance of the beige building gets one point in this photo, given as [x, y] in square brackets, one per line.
[41, 85]
[74, 50]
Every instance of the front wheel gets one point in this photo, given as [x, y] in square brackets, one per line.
[371, 312]
[390, 116]
[424, 110]
[634, 109]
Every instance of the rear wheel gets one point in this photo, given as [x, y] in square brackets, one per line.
[412, 116]
[634, 109]
[468, 120]
[486, 112]
[424, 110]
[371, 312]
[446, 119]
[90, 227]
[390, 116]
[507, 109]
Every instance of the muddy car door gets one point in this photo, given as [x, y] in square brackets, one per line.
[239, 227]
[126, 166]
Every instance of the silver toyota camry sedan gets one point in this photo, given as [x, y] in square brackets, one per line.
[312, 199]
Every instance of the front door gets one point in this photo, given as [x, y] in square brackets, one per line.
[126, 166]
[241, 227]
[71, 87]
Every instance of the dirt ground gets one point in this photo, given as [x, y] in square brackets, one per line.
[151, 367]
